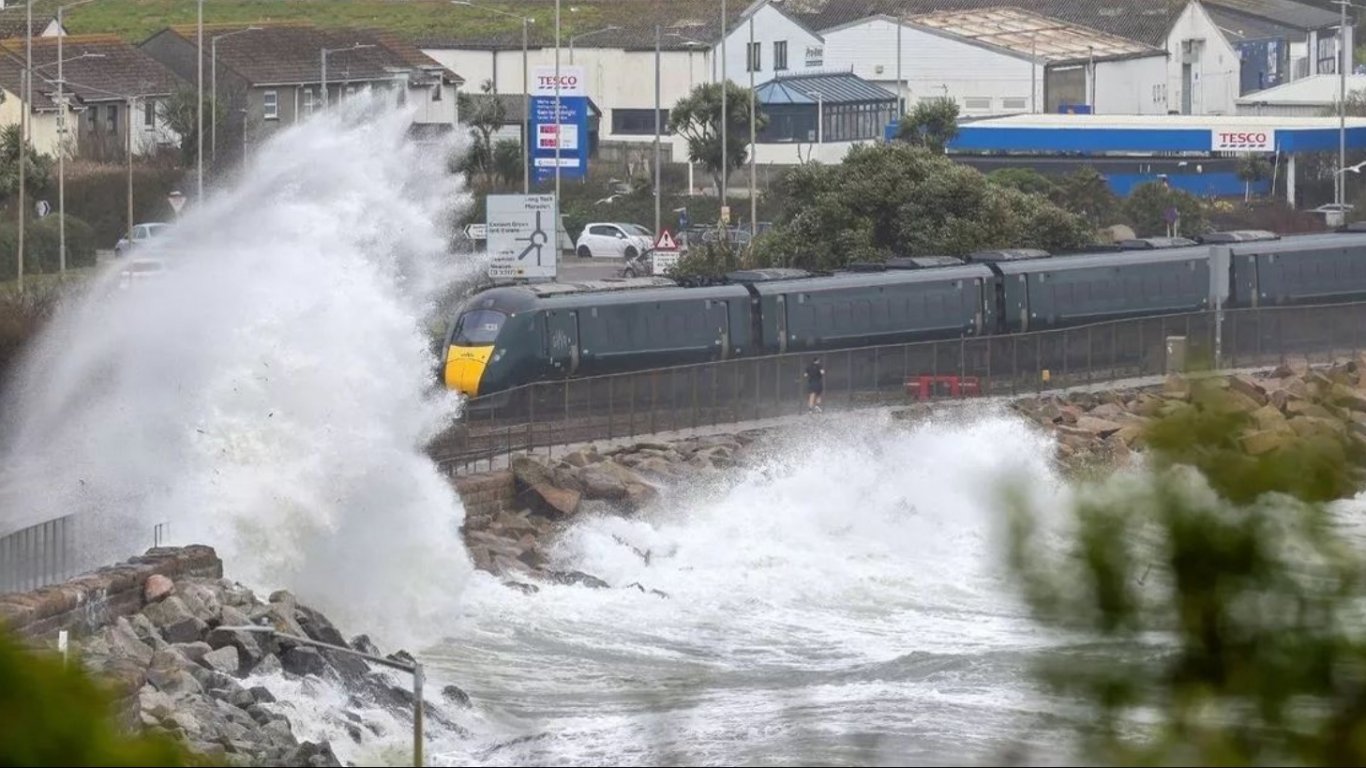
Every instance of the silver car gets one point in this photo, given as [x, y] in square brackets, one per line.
[141, 233]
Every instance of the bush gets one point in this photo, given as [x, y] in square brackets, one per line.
[98, 194]
[1148, 202]
[22, 317]
[41, 245]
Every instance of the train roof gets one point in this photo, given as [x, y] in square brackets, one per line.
[1092, 260]
[873, 279]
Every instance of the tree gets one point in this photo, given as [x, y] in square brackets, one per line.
[932, 124]
[485, 116]
[507, 160]
[38, 172]
[1147, 206]
[895, 199]
[1025, 180]
[697, 117]
[57, 715]
[1086, 193]
[1211, 602]
[1252, 168]
[181, 113]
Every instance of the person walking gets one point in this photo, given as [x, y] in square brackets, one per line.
[815, 385]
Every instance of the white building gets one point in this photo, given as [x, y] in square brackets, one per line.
[1307, 97]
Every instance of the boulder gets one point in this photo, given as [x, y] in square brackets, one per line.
[123, 640]
[1249, 387]
[225, 660]
[156, 588]
[1111, 411]
[155, 703]
[1297, 388]
[657, 467]
[262, 694]
[364, 644]
[201, 598]
[249, 649]
[268, 665]
[169, 672]
[1097, 426]
[166, 612]
[576, 577]
[527, 472]
[599, 482]
[232, 616]
[1233, 401]
[1175, 387]
[303, 661]
[351, 669]
[186, 630]
[1269, 417]
[1258, 442]
[640, 495]
[1307, 408]
[317, 626]
[1310, 426]
[526, 589]
[453, 695]
[1349, 398]
[583, 457]
[278, 614]
[195, 651]
[554, 502]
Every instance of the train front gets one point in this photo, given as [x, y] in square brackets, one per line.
[477, 360]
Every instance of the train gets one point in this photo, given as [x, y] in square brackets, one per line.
[503, 337]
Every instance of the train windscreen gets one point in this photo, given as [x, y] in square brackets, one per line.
[477, 328]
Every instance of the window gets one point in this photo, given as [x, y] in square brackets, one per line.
[477, 328]
[977, 102]
[1015, 103]
[436, 93]
[149, 114]
[113, 118]
[94, 114]
[309, 103]
[753, 63]
[780, 55]
[270, 105]
[639, 122]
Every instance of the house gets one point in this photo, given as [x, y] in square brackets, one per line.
[270, 76]
[1280, 41]
[13, 21]
[43, 122]
[618, 64]
[119, 92]
[1204, 69]
[826, 112]
[1313, 96]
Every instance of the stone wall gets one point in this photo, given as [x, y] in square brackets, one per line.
[486, 494]
[84, 604]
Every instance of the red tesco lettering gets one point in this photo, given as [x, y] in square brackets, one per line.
[1239, 137]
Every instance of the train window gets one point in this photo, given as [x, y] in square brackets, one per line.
[478, 328]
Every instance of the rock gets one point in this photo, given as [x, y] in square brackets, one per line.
[284, 597]
[1307, 408]
[260, 715]
[317, 627]
[170, 610]
[640, 495]
[279, 615]
[602, 483]
[146, 631]
[1175, 387]
[303, 661]
[1130, 434]
[1269, 417]
[1310, 426]
[583, 457]
[1233, 401]
[155, 703]
[124, 641]
[232, 616]
[453, 695]
[156, 588]
[168, 671]
[532, 558]
[261, 694]
[202, 599]
[195, 651]
[1280, 399]
[1109, 411]
[576, 577]
[225, 660]
[1263, 441]
[186, 631]
[555, 502]
[656, 466]
[242, 698]
[349, 668]
[402, 657]
[528, 472]
[1297, 388]
[248, 647]
[526, 589]
[1349, 398]
[1247, 386]
[310, 754]
[268, 665]
[1098, 427]
[364, 644]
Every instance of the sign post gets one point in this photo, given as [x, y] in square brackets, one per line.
[665, 253]
[520, 230]
[569, 131]
[477, 231]
[177, 201]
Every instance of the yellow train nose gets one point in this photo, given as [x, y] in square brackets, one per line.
[465, 367]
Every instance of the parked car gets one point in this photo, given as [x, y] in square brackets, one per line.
[141, 234]
[613, 240]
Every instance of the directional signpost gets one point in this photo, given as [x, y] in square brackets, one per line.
[521, 236]
[665, 253]
[176, 200]
[477, 231]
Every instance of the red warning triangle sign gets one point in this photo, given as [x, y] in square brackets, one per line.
[665, 242]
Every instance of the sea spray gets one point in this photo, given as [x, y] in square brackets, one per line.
[270, 394]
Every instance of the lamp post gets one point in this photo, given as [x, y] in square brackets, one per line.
[414, 669]
[1340, 188]
[753, 198]
[213, 79]
[61, 138]
[658, 184]
[820, 116]
[725, 116]
[559, 139]
[325, 51]
[27, 87]
[586, 34]
[199, 109]
[526, 91]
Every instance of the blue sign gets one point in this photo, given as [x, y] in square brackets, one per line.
[891, 130]
[1074, 109]
[571, 130]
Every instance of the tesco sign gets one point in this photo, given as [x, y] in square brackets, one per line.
[571, 81]
[1258, 140]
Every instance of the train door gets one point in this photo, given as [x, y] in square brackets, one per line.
[562, 340]
[717, 315]
[781, 320]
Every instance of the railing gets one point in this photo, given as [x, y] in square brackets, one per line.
[627, 405]
[38, 555]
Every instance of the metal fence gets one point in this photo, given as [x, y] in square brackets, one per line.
[38, 555]
[626, 405]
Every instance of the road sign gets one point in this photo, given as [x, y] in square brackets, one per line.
[662, 261]
[666, 242]
[477, 231]
[43, 208]
[177, 201]
[521, 236]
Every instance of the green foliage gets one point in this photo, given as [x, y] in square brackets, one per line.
[1210, 603]
[1146, 205]
[98, 195]
[709, 260]
[896, 199]
[484, 116]
[181, 113]
[1023, 179]
[1086, 193]
[932, 124]
[697, 117]
[38, 172]
[42, 239]
[1252, 168]
[507, 161]
[56, 715]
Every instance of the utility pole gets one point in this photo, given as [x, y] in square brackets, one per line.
[725, 116]
[658, 129]
[753, 197]
[559, 138]
[199, 111]
[27, 87]
[1343, 58]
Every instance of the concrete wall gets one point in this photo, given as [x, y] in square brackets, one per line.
[1131, 86]
[1215, 73]
[85, 603]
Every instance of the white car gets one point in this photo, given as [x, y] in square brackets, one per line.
[140, 270]
[141, 234]
[613, 240]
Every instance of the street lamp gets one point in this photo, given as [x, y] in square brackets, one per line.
[415, 669]
[725, 116]
[753, 197]
[1344, 56]
[325, 51]
[26, 85]
[199, 110]
[61, 137]
[586, 34]
[213, 78]
[820, 116]
[526, 91]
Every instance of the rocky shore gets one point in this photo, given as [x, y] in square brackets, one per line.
[182, 671]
